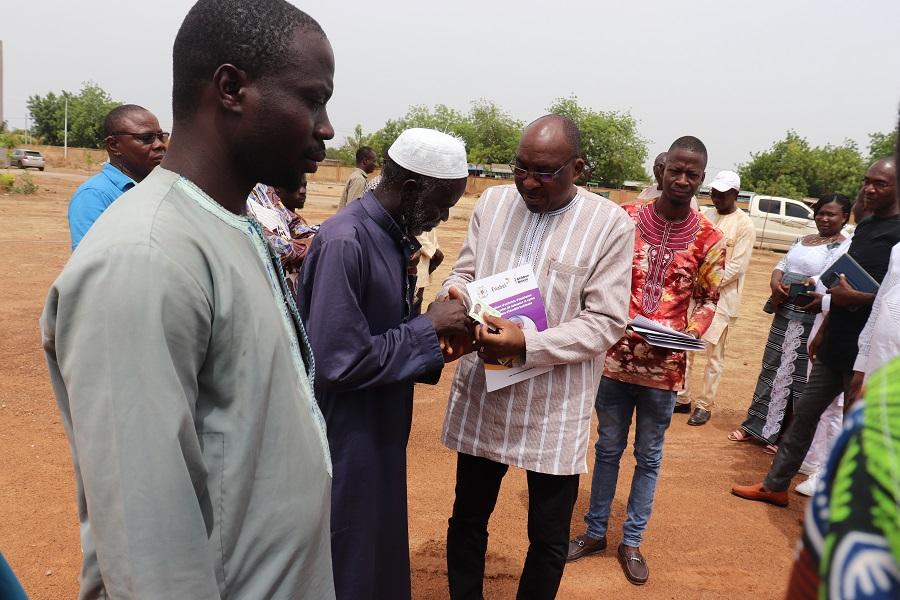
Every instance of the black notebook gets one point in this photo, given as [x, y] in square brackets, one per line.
[856, 276]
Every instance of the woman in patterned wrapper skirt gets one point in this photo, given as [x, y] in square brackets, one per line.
[785, 361]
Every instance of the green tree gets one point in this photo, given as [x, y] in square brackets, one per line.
[491, 135]
[613, 148]
[10, 140]
[837, 170]
[793, 168]
[782, 170]
[881, 145]
[87, 110]
[441, 117]
[612, 144]
[346, 153]
[47, 116]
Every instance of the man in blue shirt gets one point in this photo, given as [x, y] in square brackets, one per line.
[135, 144]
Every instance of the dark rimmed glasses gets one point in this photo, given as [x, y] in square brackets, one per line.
[146, 138]
[542, 176]
[877, 184]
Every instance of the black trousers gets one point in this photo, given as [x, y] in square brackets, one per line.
[825, 382]
[551, 500]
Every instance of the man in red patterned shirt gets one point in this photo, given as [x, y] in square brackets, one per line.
[679, 256]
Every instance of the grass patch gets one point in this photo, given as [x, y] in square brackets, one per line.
[24, 185]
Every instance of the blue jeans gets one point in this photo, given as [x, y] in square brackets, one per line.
[616, 402]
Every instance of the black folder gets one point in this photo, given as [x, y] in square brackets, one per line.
[856, 276]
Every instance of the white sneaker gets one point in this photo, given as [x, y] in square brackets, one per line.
[808, 487]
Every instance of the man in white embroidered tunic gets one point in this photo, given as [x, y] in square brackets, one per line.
[175, 351]
[737, 227]
[580, 247]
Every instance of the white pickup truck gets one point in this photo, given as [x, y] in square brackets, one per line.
[778, 221]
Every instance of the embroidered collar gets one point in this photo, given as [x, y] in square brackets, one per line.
[206, 202]
[656, 231]
[664, 239]
[560, 210]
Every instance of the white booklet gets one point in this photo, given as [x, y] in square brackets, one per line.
[515, 295]
[657, 334]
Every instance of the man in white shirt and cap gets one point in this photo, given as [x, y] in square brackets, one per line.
[370, 348]
[739, 235]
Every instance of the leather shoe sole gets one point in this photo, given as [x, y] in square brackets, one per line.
[700, 417]
[585, 545]
[633, 564]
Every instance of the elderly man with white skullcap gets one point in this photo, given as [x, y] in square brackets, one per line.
[370, 348]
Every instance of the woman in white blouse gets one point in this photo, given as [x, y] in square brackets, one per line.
[785, 360]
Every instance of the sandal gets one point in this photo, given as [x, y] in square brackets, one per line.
[771, 449]
[739, 435]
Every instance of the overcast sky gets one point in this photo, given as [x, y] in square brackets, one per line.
[736, 74]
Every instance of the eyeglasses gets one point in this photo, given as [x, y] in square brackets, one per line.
[542, 176]
[877, 184]
[146, 138]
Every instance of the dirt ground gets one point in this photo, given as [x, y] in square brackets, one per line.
[701, 543]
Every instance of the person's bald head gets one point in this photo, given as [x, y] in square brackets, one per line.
[880, 188]
[118, 118]
[555, 124]
[659, 165]
[548, 161]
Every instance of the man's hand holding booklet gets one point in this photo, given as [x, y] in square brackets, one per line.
[510, 300]
[659, 335]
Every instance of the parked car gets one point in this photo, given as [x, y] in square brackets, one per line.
[778, 221]
[27, 158]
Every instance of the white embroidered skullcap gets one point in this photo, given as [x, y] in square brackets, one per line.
[431, 153]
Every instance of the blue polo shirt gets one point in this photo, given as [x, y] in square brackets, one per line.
[93, 197]
[10, 588]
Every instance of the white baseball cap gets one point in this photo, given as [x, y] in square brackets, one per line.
[431, 153]
[726, 180]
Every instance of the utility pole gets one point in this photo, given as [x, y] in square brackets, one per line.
[1, 82]
[66, 130]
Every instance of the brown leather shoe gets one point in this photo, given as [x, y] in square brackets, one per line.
[585, 545]
[633, 564]
[758, 492]
[700, 416]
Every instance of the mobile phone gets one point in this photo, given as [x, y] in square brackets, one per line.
[829, 280]
[798, 288]
[802, 299]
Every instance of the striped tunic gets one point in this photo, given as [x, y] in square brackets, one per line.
[581, 255]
